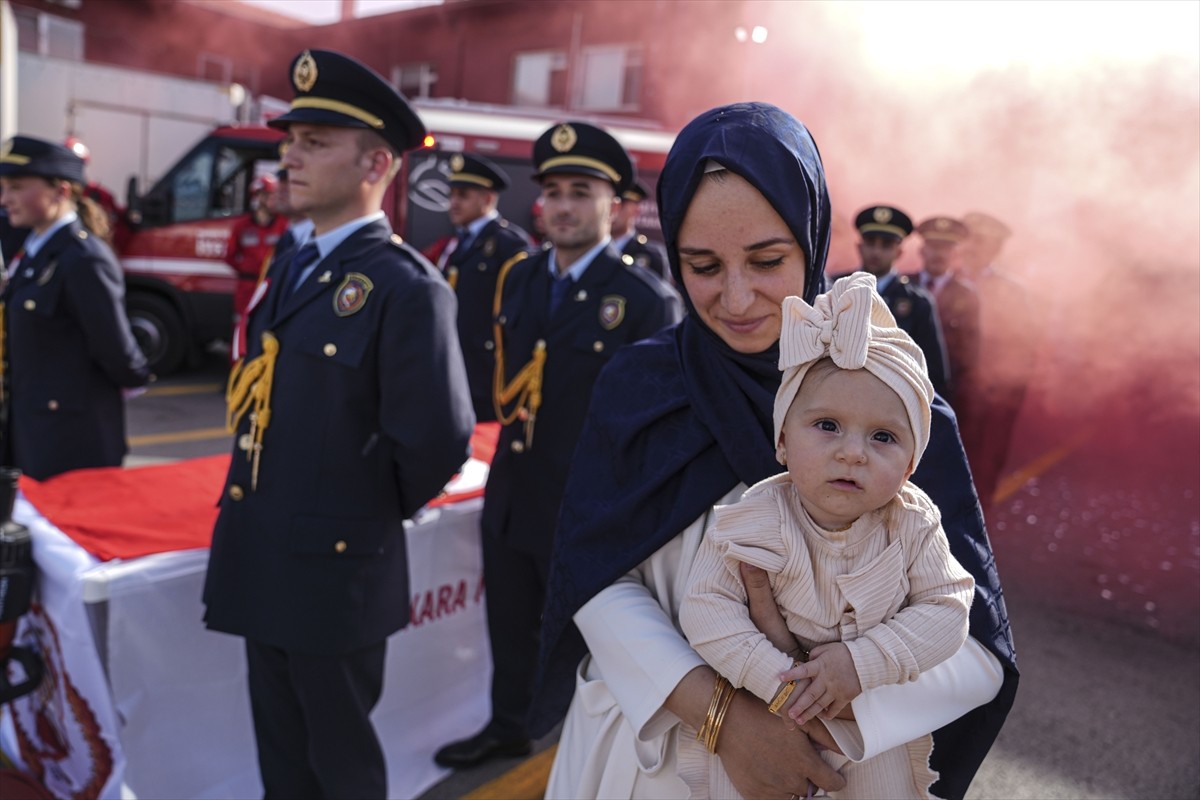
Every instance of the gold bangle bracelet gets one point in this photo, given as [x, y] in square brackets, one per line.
[715, 729]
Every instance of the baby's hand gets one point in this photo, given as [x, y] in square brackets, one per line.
[832, 683]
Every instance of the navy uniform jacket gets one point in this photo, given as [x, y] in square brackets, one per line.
[476, 267]
[69, 352]
[647, 254]
[916, 314]
[525, 485]
[958, 314]
[370, 416]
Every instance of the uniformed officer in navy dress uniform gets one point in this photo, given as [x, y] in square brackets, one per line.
[881, 232]
[635, 247]
[1009, 332]
[483, 241]
[66, 348]
[957, 303]
[351, 411]
[561, 315]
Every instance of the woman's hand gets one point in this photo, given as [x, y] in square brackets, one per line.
[765, 759]
[764, 611]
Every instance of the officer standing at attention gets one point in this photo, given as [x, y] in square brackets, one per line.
[881, 232]
[66, 348]
[1009, 334]
[957, 302]
[482, 242]
[637, 248]
[560, 316]
[351, 411]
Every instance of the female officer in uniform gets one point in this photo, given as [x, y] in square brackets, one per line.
[67, 347]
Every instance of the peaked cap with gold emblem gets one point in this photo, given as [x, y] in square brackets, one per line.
[25, 155]
[943, 229]
[577, 148]
[636, 192]
[468, 169]
[883, 221]
[335, 89]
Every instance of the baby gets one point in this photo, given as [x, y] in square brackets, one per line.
[858, 561]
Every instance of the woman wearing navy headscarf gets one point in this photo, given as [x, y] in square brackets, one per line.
[683, 421]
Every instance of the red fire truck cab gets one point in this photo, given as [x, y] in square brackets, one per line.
[179, 290]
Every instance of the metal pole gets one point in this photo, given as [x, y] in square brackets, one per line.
[8, 71]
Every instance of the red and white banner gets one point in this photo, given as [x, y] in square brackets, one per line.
[141, 699]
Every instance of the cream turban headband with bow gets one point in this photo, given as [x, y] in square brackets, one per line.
[852, 325]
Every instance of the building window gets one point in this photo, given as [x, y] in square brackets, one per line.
[211, 67]
[540, 79]
[414, 80]
[611, 78]
[48, 35]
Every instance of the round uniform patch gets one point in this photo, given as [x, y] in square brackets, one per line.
[489, 247]
[612, 311]
[903, 308]
[351, 295]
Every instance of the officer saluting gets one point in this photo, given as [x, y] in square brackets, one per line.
[637, 248]
[561, 315]
[881, 231]
[483, 241]
[351, 411]
[66, 348]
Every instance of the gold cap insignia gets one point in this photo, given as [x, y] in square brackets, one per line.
[563, 138]
[903, 308]
[882, 215]
[352, 294]
[304, 76]
[457, 162]
[612, 311]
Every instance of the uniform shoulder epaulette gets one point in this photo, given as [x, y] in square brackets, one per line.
[651, 279]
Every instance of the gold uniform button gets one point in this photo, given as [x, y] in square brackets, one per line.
[331, 349]
[340, 546]
[30, 305]
[502, 319]
[598, 346]
[518, 446]
[482, 266]
[628, 259]
[236, 492]
[245, 441]
[489, 345]
[581, 295]
[52, 405]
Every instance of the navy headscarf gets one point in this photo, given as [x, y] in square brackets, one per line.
[679, 420]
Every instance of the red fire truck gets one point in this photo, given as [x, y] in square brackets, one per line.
[179, 288]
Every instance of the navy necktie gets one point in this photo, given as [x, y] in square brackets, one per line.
[558, 290]
[301, 267]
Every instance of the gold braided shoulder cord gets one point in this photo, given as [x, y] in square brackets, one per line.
[249, 389]
[526, 386]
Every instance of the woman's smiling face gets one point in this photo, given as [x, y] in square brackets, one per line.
[738, 260]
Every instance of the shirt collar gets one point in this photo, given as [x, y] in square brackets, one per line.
[35, 241]
[475, 226]
[884, 282]
[328, 241]
[624, 239]
[576, 270]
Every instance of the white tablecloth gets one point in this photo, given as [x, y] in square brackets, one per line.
[140, 699]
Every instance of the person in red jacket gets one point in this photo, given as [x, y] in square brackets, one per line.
[252, 241]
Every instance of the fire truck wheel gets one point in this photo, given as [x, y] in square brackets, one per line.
[158, 331]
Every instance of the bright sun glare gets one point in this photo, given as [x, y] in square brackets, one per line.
[924, 35]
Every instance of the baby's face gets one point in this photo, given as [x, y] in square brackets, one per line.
[849, 444]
